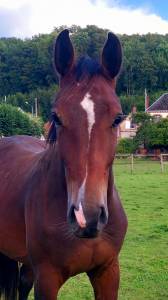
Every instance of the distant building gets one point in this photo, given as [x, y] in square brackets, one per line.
[159, 108]
[127, 129]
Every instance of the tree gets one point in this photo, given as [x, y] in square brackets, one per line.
[153, 134]
[126, 145]
[142, 118]
[13, 122]
[26, 101]
[26, 65]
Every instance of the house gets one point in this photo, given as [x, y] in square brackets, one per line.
[127, 129]
[159, 108]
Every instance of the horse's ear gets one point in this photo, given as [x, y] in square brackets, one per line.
[112, 55]
[63, 53]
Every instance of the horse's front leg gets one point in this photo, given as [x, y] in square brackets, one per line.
[47, 282]
[25, 281]
[105, 281]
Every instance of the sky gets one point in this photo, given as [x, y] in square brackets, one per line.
[25, 18]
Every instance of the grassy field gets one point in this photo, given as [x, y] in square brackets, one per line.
[144, 257]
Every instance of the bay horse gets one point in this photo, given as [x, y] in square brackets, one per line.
[60, 212]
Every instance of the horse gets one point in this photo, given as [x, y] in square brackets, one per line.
[60, 212]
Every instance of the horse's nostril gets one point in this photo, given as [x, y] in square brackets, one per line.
[96, 219]
[76, 216]
[71, 215]
[103, 215]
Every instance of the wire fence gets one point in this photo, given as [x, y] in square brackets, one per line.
[140, 164]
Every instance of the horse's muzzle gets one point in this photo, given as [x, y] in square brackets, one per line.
[88, 223]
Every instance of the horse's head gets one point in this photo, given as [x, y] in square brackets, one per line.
[87, 112]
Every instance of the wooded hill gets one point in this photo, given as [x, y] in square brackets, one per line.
[26, 69]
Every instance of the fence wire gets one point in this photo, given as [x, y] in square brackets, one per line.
[140, 164]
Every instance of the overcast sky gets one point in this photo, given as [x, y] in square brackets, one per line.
[24, 18]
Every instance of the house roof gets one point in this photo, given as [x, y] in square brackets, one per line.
[160, 105]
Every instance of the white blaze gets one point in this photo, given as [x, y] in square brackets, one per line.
[81, 192]
[88, 105]
[80, 216]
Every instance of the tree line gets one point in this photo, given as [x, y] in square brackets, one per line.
[26, 68]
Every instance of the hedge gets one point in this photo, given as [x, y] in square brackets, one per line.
[13, 121]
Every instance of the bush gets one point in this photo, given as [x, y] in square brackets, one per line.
[153, 134]
[27, 101]
[14, 121]
[126, 145]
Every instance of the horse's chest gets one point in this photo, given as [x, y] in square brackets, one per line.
[82, 256]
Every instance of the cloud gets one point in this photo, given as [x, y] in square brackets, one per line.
[29, 17]
[15, 22]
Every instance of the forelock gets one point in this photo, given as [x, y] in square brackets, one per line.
[87, 67]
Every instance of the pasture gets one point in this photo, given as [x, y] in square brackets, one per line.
[144, 257]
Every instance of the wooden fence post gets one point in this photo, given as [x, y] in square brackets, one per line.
[161, 163]
[132, 163]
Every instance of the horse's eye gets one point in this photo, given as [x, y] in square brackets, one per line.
[119, 118]
[56, 119]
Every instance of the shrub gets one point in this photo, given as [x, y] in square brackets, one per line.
[153, 134]
[14, 121]
[126, 145]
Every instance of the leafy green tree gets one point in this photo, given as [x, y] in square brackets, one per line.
[142, 118]
[26, 101]
[45, 99]
[26, 66]
[153, 134]
[126, 145]
[15, 122]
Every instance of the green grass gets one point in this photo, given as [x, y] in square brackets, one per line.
[144, 256]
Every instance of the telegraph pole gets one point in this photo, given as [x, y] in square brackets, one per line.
[147, 100]
[36, 107]
[32, 110]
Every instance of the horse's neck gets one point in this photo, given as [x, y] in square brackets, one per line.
[117, 223]
[110, 187]
[46, 196]
[53, 170]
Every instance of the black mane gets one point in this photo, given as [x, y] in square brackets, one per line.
[87, 67]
